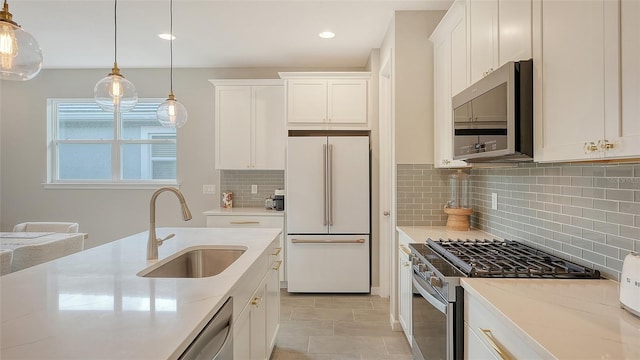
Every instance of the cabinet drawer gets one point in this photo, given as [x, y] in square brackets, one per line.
[503, 339]
[228, 221]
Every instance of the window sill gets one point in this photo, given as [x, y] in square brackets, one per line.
[109, 185]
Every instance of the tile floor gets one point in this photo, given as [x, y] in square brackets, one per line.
[337, 327]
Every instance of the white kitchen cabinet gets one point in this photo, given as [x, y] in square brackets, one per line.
[250, 218]
[405, 281]
[450, 70]
[337, 100]
[499, 32]
[586, 109]
[256, 327]
[488, 335]
[249, 124]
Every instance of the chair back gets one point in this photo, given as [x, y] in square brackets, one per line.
[60, 227]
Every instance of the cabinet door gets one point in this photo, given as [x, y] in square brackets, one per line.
[406, 291]
[569, 83]
[628, 129]
[459, 59]
[347, 101]
[515, 30]
[233, 127]
[258, 315]
[273, 305]
[483, 35]
[268, 134]
[348, 184]
[474, 347]
[242, 335]
[307, 101]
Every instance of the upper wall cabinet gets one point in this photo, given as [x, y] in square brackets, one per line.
[450, 77]
[249, 124]
[499, 32]
[587, 82]
[327, 100]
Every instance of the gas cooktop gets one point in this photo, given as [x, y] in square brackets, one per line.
[505, 258]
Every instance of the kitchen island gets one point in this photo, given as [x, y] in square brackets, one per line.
[92, 305]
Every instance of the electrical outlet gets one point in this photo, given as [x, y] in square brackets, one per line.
[494, 201]
[254, 189]
[208, 189]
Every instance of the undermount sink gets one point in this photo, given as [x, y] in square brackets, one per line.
[195, 262]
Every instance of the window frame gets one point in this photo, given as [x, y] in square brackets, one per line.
[117, 144]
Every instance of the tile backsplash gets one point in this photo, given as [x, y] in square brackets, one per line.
[588, 213]
[239, 182]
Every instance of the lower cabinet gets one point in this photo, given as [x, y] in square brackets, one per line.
[256, 328]
[490, 336]
[405, 274]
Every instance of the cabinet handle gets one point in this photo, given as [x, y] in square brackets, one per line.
[605, 145]
[324, 184]
[243, 222]
[278, 264]
[327, 241]
[405, 250]
[277, 252]
[590, 147]
[331, 184]
[406, 264]
[494, 344]
[256, 301]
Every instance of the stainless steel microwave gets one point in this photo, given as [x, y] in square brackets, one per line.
[493, 118]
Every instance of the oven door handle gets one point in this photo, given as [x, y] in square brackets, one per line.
[442, 307]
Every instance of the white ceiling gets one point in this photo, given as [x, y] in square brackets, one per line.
[210, 33]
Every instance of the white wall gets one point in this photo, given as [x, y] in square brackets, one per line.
[107, 215]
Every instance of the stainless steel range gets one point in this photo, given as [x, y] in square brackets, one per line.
[437, 312]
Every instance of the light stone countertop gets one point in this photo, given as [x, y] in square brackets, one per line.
[419, 234]
[569, 319]
[91, 305]
[244, 211]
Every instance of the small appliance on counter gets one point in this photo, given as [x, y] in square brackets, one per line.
[630, 284]
[279, 200]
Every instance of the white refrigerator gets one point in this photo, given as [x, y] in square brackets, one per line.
[328, 214]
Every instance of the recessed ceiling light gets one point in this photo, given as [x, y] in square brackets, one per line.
[166, 36]
[326, 34]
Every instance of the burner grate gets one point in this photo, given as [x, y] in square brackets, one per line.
[497, 258]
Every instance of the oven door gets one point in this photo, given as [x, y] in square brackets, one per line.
[432, 318]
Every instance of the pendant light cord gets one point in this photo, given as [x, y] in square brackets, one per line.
[171, 46]
[115, 31]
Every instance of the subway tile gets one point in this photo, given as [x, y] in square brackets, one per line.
[571, 171]
[572, 250]
[595, 236]
[594, 214]
[593, 193]
[582, 222]
[622, 219]
[622, 195]
[630, 232]
[553, 208]
[582, 243]
[607, 183]
[630, 208]
[582, 202]
[572, 210]
[612, 263]
[553, 244]
[593, 171]
[606, 250]
[630, 183]
[593, 257]
[571, 191]
[619, 171]
[553, 171]
[581, 181]
[607, 205]
[620, 242]
[544, 180]
[564, 238]
[544, 197]
[605, 227]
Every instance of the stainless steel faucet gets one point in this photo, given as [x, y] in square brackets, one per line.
[153, 243]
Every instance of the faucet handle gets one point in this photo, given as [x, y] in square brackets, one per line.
[160, 241]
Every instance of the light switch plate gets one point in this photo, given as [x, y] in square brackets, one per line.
[494, 201]
[208, 189]
[254, 189]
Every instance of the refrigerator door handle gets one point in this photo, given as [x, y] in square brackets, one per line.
[331, 185]
[324, 184]
[327, 241]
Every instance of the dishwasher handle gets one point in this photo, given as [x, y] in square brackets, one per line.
[215, 341]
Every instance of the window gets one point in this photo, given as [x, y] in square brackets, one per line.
[87, 145]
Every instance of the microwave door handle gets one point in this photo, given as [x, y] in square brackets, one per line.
[430, 298]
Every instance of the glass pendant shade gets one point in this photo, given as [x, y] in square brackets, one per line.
[20, 54]
[114, 93]
[171, 113]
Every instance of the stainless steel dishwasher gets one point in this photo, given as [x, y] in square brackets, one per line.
[215, 341]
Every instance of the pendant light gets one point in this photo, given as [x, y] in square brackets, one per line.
[20, 54]
[171, 113]
[114, 93]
